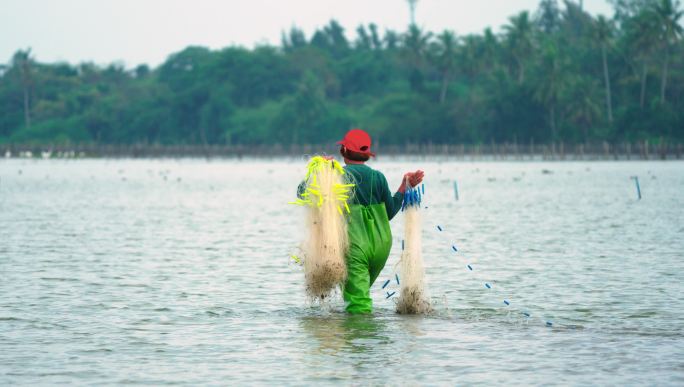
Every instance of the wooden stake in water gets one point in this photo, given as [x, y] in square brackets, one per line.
[456, 189]
[636, 181]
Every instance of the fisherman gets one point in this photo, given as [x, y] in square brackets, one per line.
[372, 207]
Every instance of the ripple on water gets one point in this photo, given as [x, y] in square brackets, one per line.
[174, 276]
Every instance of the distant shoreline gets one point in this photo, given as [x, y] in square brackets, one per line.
[505, 152]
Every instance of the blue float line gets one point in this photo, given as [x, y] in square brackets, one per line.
[385, 284]
[413, 197]
[489, 286]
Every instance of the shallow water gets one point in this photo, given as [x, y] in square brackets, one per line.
[177, 271]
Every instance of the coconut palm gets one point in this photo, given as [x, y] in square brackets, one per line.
[468, 58]
[548, 16]
[575, 21]
[375, 36]
[490, 50]
[22, 61]
[668, 15]
[641, 34]
[444, 58]
[519, 37]
[293, 39]
[603, 33]
[331, 39]
[363, 39]
[416, 44]
[552, 83]
[582, 107]
[391, 40]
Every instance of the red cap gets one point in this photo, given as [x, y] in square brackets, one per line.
[357, 140]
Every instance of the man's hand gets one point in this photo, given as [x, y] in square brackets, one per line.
[412, 178]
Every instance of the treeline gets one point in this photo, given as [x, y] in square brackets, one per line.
[555, 75]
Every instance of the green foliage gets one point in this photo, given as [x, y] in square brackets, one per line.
[56, 131]
[556, 74]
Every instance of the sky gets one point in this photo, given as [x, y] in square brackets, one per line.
[132, 32]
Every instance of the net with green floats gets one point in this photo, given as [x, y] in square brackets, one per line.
[313, 195]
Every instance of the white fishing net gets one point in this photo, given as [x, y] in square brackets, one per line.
[413, 298]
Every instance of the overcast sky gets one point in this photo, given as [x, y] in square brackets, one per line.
[147, 31]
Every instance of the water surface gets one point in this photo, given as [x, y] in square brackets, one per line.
[177, 271]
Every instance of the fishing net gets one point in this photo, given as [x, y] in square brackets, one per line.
[324, 193]
[413, 298]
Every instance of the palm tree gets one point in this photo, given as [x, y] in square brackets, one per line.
[548, 16]
[375, 37]
[293, 39]
[444, 59]
[491, 46]
[416, 42]
[22, 60]
[363, 40]
[641, 35]
[581, 106]
[488, 52]
[519, 34]
[415, 46]
[603, 35]
[668, 15]
[391, 40]
[331, 39]
[552, 84]
[468, 58]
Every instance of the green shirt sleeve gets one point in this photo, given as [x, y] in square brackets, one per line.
[392, 202]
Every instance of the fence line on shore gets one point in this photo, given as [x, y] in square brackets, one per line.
[506, 151]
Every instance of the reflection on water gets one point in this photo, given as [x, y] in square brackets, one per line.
[340, 332]
[175, 271]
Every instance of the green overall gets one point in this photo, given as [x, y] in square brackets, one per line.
[370, 237]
